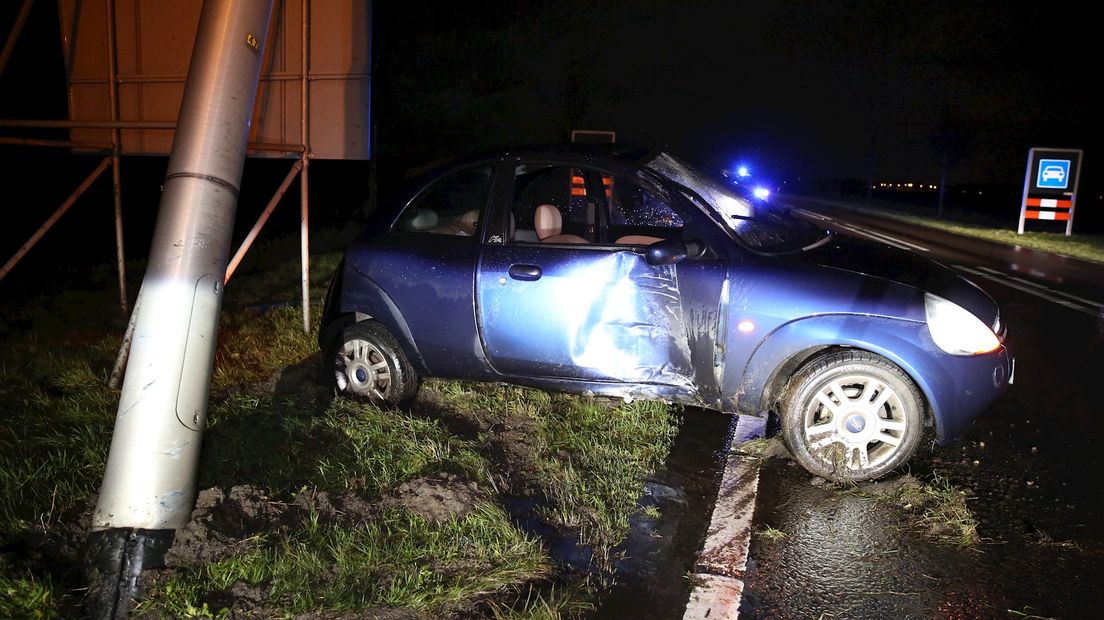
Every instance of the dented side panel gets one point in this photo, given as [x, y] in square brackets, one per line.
[589, 314]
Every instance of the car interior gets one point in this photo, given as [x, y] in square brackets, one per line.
[561, 204]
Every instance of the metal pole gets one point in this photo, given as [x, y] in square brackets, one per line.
[304, 249]
[1073, 198]
[56, 124]
[304, 179]
[64, 144]
[149, 481]
[254, 147]
[1027, 184]
[13, 36]
[112, 70]
[124, 349]
[248, 242]
[26, 247]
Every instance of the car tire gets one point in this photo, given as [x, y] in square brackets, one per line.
[369, 365]
[851, 416]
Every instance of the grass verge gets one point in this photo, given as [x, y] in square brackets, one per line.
[399, 560]
[1087, 247]
[588, 456]
[274, 425]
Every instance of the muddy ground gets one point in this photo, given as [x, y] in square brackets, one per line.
[647, 571]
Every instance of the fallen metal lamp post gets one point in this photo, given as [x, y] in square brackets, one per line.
[149, 482]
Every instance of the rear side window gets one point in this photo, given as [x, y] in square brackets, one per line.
[453, 205]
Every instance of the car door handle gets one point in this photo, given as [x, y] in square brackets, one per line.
[526, 273]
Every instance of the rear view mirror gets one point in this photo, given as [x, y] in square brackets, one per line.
[666, 252]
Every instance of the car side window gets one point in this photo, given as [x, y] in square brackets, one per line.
[550, 205]
[451, 206]
[639, 216]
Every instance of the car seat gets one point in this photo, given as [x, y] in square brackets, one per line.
[549, 223]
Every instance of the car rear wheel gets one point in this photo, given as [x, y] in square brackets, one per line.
[369, 365]
[852, 415]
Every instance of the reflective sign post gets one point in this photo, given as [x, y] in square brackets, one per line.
[1050, 186]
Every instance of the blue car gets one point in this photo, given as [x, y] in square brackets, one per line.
[624, 272]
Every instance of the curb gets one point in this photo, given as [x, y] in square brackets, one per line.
[719, 571]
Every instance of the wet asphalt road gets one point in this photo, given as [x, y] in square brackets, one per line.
[1032, 467]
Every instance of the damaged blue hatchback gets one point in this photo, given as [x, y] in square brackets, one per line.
[618, 271]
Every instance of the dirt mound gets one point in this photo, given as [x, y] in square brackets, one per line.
[510, 441]
[225, 523]
[222, 524]
[438, 498]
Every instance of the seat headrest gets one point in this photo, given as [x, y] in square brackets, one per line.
[547, 221]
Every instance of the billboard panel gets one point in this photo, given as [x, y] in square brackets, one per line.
[154, 45]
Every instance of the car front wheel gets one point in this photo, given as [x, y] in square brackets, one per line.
[852, 415]
[369, 365]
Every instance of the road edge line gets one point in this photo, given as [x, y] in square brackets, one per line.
[722, 562]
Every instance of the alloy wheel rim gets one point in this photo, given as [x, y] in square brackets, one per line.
[361, 367]
[855, 421]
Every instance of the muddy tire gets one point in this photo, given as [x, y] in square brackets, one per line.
[369, 365]
[851, 416]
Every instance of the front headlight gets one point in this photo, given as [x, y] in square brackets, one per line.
[956, 330]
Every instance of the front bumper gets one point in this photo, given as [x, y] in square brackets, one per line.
[975, 383]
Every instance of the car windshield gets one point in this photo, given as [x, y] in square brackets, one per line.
[762, 227]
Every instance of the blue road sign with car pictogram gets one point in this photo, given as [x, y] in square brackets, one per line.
[1053, 174]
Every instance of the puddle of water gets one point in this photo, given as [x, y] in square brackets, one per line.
[650, 573]
[659, 554]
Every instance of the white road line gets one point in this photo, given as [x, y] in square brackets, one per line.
[894, 241]
[1043, 287]
[1036, 290]
[878, 236]
[818, 216]
[719, 571]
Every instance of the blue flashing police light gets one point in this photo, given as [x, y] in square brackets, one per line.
[743, 171]
[761, 193]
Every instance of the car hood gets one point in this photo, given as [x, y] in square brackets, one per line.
[888, 263]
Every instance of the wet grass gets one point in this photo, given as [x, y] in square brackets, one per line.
[589, 456]
[27, 596]
[755, 448]
[399, 560]
[341, 446]
[597, 462]
[56, 416]
[274, 424]
[770, 533]
[546, 604]
[944, 515]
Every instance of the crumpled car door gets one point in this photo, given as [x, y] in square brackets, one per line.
[582, 313]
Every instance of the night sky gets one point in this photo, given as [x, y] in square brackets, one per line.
[866, 90]
[818, 89]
